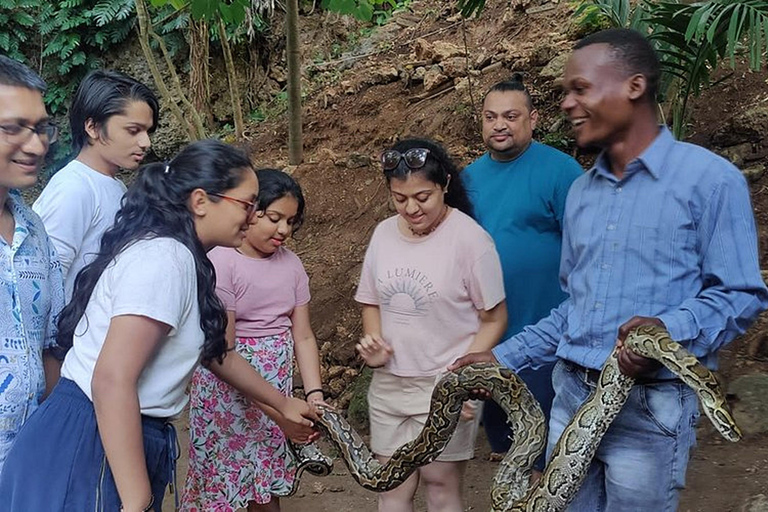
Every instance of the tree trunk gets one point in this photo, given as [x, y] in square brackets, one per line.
[144, 27]
[199, 79]
[295, 145]
[234, 90]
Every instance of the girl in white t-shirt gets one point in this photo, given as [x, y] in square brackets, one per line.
[142, 316]
[431, 290]
[238, 458]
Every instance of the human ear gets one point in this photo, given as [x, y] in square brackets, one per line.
[92, 129]
[198, 202]
[637, 85]
[534, 118]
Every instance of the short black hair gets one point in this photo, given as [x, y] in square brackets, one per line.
[103, 94]
[515, 83]
[633, 52]
[16, 74]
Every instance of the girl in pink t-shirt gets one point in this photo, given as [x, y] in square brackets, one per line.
[237, 455]
[431, 290]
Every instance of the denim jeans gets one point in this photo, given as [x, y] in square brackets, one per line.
[641, 461]
[497, 429]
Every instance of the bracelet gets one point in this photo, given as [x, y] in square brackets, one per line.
[148, 508]
[317, 390]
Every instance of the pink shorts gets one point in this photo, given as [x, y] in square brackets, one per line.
[398, 408]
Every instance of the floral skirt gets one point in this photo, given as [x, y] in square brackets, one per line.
[237, 453]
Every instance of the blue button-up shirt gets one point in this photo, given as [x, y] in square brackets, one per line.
[31, 296]
[674, 238]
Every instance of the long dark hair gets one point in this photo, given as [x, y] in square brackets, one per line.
[438, 169]
[274, 185]
[103, 94]
[156, 206]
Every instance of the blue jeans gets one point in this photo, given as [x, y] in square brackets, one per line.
[640, 463]
[497, 429]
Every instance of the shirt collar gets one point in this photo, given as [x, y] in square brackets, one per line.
[21, 212]
[652, 159]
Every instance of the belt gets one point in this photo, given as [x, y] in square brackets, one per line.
[591, 376]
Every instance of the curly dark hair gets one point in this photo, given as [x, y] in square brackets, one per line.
[155, 206]
[438, 169]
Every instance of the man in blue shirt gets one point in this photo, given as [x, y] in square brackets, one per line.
[518, 190]
[31, 285]
[657, 232]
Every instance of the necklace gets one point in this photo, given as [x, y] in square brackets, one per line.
[433, 227]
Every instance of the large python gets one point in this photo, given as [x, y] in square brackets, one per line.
[573, 453]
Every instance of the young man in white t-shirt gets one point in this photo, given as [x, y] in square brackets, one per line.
[111, 118]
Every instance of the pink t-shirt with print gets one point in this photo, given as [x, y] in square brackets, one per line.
[262, 292]
[429, 291]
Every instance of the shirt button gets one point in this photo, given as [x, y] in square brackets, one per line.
[605, 266]
[598, 305]
[611, 227]
[618, 189]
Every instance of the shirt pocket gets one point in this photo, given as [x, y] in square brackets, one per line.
[34, 290]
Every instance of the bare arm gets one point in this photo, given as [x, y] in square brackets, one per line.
[52, 369]
[307, 355]
[130, 343]
[493, 323]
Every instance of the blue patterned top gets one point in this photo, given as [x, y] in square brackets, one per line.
[31, 297]
[674, 238]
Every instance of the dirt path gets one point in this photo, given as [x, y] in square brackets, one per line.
[721, 478]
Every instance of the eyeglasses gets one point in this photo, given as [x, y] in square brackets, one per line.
[250, 207]
[16, 133]
[415, 158]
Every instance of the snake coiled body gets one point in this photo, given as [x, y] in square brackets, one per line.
[574, 451]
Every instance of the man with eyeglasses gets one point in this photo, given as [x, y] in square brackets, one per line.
[31, 286]
[518, 190]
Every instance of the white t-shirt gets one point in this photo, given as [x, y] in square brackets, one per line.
[153, 278]
[77, 206]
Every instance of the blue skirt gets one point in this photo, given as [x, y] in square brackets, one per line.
[57, 462]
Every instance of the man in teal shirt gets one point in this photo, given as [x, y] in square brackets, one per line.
[518, 189]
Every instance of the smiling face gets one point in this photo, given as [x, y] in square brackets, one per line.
[508, 124]
[420, 202]
[21, 161]
[224, 222]
[599, 96]
[271, 227]
[123, 142]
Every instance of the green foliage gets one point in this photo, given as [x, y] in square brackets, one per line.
[357, 412]
[692, 39]
[375, 11]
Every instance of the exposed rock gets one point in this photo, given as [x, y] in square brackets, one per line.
[423, 50]
[750, 125]
[383, 75]
[348, 87]
[279, 74]
[753, 173]
[482, 58]
[462, 85]
[444, 50]
[434, 78]
[737, 154]
[418, 74]
[318, 488]
[758, 503]
[751, 409]
[357, 160]
[455, 66]
[555, 67]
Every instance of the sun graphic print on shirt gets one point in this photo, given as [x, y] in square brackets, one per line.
[406, 293]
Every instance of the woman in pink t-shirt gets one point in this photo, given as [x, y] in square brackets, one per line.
[431, 290]
[238, 456]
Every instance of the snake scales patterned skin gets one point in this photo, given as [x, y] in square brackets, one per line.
[574, 451]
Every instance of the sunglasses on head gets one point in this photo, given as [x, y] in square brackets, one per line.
[415, 158]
